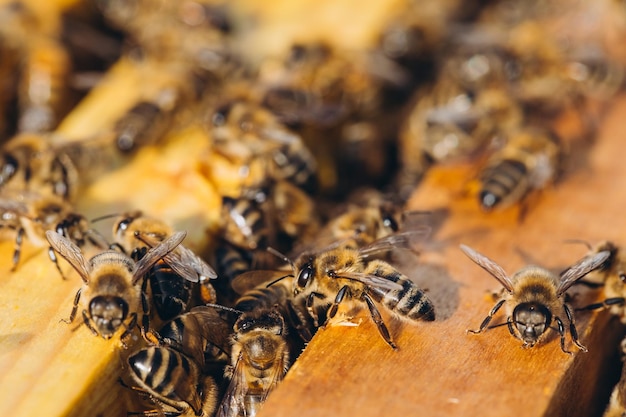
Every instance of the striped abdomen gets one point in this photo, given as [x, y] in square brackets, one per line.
[409, 301]
[245, 222]
[171, 293]
[505, 181]
[263, 297]
[167, 374]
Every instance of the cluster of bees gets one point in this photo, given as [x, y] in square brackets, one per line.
[446, 82]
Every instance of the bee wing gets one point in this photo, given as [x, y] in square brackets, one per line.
[277, 375]
[243, 283]
[402, 240]
[371, 280]
[183, 261]
[154, 254]
[71, 253]
[232, 402]
[489, 266]
[580, 269]
[213, 326]
[188, 259]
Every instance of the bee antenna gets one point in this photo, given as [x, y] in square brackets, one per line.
[269, 284]
[106, 216]
[584, 242]
[281, 256]
[221, 307]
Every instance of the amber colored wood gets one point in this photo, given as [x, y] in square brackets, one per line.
[48, 368]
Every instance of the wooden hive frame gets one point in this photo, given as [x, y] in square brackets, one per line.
[48, 368]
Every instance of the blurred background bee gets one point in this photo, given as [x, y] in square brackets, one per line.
[535, 297]
[40, 66]
[254, 138]
[335, 99]
[530, 160]
[30, 215]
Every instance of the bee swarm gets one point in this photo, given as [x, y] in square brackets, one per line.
[55, 369]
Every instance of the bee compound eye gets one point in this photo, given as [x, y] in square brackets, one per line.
[304, 276]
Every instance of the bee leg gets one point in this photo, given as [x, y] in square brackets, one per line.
[619, 301]
[128, 329]
[338, 299]
[375, 314]
[487, 319]
[509, 324]
[572, 328]
[53, 257]
[19, 237]
[310, 309]
[74, 307]
[299, 322]
[561, 330]
[145, 317]
[87, 321]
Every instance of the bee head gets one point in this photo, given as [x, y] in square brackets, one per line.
[108, 312]
[531, 321]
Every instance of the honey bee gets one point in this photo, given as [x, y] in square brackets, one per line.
[530, 160]
[594, 73]
[612, 274]
[617, 402]
[258, 294]
[450, 122]
[343, 272]
[368, 215]
[144, 123]
[31, 214]
[259, 361]
[336, 100]
[44, 66]
[273, 215]
[203, 333]
[33, 162]
[111, 287]
[170, 278]
[535, 298]
[173, 381]
[261, 138]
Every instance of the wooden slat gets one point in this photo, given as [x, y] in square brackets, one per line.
[48, 369]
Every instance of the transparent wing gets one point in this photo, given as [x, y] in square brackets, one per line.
[489, 266]
[370, 280]
[71, 253]
[183, 261]
[156, 253]
[187, 257]
[402, 240]
[232, 404]
[580, 269]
